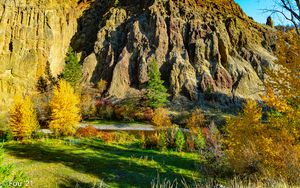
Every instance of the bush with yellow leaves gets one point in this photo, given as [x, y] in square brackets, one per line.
[65, 114]
[161, 118]
[262, 150]
[23, 119]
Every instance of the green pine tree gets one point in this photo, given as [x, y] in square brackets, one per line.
[157, 95]
[72, 72]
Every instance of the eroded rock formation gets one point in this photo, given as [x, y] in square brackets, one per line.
[200, 46]
[32, 33]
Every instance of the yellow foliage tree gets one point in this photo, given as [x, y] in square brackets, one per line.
[284, 84]
[23, 119]
[196, 121]
[266, 150]
[102, 86]
[65, 111]
[161, 118]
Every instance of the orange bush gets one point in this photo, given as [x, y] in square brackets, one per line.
[88, 132]
[161, 118]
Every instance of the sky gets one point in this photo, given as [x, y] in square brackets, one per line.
[253, 9]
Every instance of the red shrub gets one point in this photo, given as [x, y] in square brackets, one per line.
[148, 114]
[88, 131]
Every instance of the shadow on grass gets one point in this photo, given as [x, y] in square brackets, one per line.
[119, 166]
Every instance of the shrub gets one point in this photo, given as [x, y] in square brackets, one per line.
[105, 136]
[104, 109]
[151, 140]
[162, 140]
[65, 111]
[88, 132]
[101, 86]
[195, 121]
[180, 140]
[161, 118]
[251, 146]
[199, 140]
[23, 120]
[148, 114]
[126, 109]
[87, 106]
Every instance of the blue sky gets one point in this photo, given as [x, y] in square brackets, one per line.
[253, 8]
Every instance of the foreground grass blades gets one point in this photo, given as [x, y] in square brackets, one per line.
[91, 163]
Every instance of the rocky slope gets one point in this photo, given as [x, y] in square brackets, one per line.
[201, 46]
[32, 33]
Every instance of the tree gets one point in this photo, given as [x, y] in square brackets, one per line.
[196, 121]
[47, 81]
[289, 9]
[102, 86]
[250, 146]
[72, 72]
[23, 119]
[161, 118]
[156, 92]
[179, 140]
[65, 111]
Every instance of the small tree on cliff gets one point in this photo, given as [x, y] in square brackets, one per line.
[72, 72]
[65, 111]
[23, 119]
[157, 95]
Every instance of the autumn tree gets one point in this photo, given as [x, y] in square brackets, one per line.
[161, 118]
[196, 120]
[23, 119]
[289, 9]
[156, 95]
[102, 86]
[262, 150]
[65, 111]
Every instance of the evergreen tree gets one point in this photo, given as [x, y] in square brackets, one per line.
[156, 92]
[23, 119]
[47, 81]
[179, 140]
[72, 72]
[65, 111]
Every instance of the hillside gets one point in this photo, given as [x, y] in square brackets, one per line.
[203, 46]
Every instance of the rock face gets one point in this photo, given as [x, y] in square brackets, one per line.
[32, 33]
[204, 46]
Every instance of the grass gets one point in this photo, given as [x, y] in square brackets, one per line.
[92, 163]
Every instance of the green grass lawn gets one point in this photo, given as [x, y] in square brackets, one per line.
[91, 163]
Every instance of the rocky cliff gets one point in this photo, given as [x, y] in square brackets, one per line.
[32, 33]
[201, 46]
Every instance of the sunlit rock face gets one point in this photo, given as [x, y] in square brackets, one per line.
[32, 33]
[200, 46]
